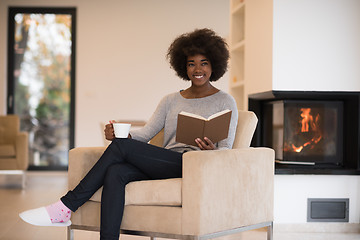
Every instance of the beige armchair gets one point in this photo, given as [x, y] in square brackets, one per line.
[221, 192]
[13, 144]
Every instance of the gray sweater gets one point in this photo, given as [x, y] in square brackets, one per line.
[166, 113]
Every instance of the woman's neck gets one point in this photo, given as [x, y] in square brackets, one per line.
[199, 92]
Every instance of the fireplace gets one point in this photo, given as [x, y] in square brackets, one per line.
[311, 132]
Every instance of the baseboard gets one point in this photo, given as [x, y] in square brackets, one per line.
[318, 227]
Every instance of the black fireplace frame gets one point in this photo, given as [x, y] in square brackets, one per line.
[351, 134]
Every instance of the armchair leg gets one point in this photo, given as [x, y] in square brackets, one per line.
[270, 231]
[70, 233]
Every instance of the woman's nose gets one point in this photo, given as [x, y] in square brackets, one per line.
[197, 68]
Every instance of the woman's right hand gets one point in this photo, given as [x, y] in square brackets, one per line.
[109, 131]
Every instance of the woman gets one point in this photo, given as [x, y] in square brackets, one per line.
[200, 57]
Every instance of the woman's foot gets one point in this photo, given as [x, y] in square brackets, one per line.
[56, 214]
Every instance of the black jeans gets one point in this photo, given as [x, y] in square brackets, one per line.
[124, 161]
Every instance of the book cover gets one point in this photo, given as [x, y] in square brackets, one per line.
[191, 126]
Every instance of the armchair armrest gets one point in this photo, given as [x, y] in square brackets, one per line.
[227, 189]
[81, 160]
[22, 150]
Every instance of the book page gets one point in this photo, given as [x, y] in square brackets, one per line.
[192, 115]
[218, 114]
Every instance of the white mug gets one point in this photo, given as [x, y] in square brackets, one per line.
[121, 130]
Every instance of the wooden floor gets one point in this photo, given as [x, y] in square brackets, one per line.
[43, 188]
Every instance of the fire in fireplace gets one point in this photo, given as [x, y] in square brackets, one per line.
[305, 132]
[311, 132]
[307, 135]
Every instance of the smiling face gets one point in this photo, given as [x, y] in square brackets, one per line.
[198, 69]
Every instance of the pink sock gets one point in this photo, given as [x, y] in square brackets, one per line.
[58, 212]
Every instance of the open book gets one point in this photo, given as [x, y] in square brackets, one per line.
[191, 126]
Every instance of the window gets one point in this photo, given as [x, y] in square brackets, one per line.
[41, 81]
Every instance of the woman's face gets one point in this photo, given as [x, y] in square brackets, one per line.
[198, 69]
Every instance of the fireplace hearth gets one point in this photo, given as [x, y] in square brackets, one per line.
[311, 132]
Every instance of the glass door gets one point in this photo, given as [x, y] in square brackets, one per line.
[41, 77]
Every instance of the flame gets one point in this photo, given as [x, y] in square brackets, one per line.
[306, 119]
[297, 149]
[308, 123]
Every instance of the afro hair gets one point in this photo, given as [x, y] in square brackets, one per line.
[201, 41]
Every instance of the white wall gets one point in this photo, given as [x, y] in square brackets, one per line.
[121, 70]
[316, 46]
[292, 192]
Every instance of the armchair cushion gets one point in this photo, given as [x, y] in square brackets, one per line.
[9, 128]
[245, 129]
[7, 150]
[150, 193]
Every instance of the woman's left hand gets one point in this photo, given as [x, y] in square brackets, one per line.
[207, 144]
